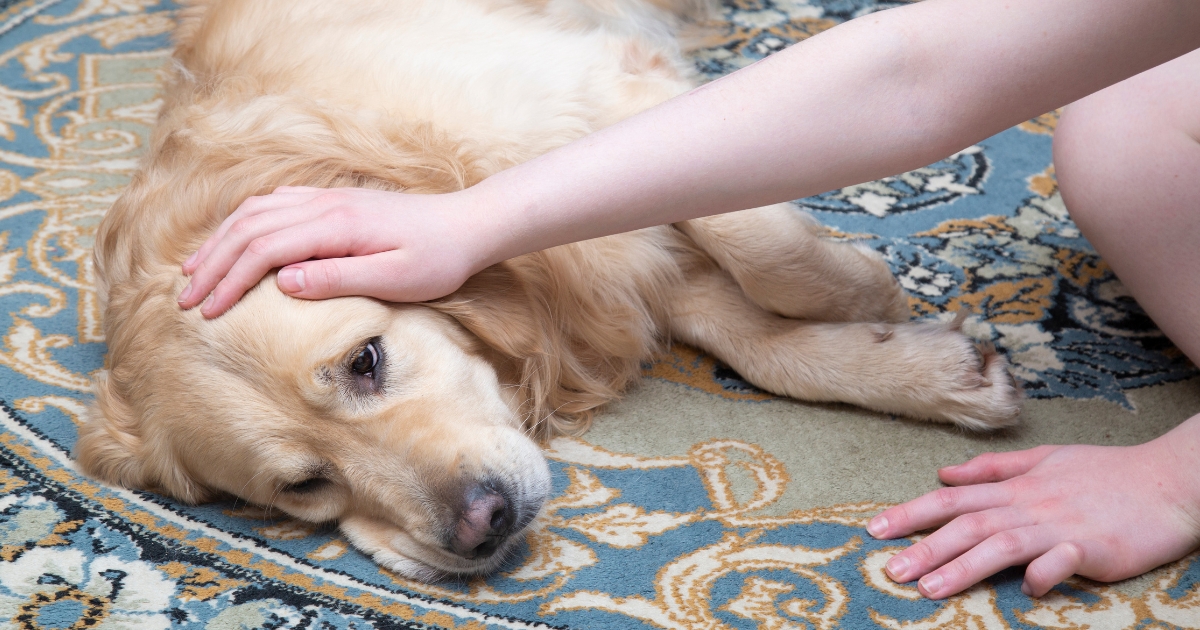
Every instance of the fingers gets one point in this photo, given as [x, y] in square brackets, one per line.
[225, 252]
[1061, 562]
[975, 546]
[1052, 562]
[283, 197]
[312, 239]
[936, 508]
[940, 506]
[387, 275]
[953, 540]
[1002, 550]
[990, 467]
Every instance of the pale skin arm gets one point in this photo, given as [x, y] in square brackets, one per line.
[876, 96]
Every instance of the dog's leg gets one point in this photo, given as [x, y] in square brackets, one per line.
[920, 370]
[777, 258]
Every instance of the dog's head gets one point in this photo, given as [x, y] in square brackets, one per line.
[394, 420]
[415, 427]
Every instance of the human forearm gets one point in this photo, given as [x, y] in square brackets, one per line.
[879, 95]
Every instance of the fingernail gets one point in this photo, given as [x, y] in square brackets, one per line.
[191, 259]
[878, 526]
[897, 568]
[291, 280]
[1025, 589]
[931, 584]
[187, 292]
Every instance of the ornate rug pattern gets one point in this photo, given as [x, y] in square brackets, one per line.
[702, 538]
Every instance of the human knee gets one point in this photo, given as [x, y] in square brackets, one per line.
[1098, 145]
[1082, 130]
[1085, 164]
[1105, 140]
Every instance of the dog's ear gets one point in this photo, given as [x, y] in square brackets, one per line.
[496, 306]
[509, 308]
[111, 448]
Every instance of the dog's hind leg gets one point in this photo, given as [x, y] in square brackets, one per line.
[778, 259]
[920, 370]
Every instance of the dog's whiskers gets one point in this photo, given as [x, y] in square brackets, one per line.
[243, 489]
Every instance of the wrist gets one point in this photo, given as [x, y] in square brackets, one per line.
[1179, 450]
[480, 227]
[494, 222]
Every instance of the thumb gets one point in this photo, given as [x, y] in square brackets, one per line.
[312, 281]
[382, 275]
[990, 467]
[321, 279]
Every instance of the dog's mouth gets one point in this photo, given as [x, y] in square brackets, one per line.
[486, 531]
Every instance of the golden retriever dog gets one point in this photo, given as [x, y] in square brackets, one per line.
[416, 427]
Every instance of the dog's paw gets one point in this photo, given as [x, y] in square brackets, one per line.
[991, 398]
[971, 384]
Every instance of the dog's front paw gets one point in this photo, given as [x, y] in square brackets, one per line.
[991, 397]
[966, 382]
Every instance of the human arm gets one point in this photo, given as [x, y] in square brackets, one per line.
[879, 95]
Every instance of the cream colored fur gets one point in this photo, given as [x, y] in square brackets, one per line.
[431, 96]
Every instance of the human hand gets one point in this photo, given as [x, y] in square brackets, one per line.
[1105, 513]
[387, 245]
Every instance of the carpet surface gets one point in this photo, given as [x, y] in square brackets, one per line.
[695, 502]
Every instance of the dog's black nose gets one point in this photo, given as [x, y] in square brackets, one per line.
[485, 521]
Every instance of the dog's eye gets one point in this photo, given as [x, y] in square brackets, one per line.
[312, 484]
[365, 361]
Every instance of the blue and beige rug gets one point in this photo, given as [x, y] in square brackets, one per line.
[696, 502]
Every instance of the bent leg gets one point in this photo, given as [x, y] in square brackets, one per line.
[919, 370]
[1128, 164]
[776, 256]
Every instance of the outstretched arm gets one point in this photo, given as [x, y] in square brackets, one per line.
[878, 95]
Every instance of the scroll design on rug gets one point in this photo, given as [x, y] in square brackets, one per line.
[695, 539]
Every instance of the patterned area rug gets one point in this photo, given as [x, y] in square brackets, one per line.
[696, 502]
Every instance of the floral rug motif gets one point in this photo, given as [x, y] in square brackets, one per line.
[700, 539]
